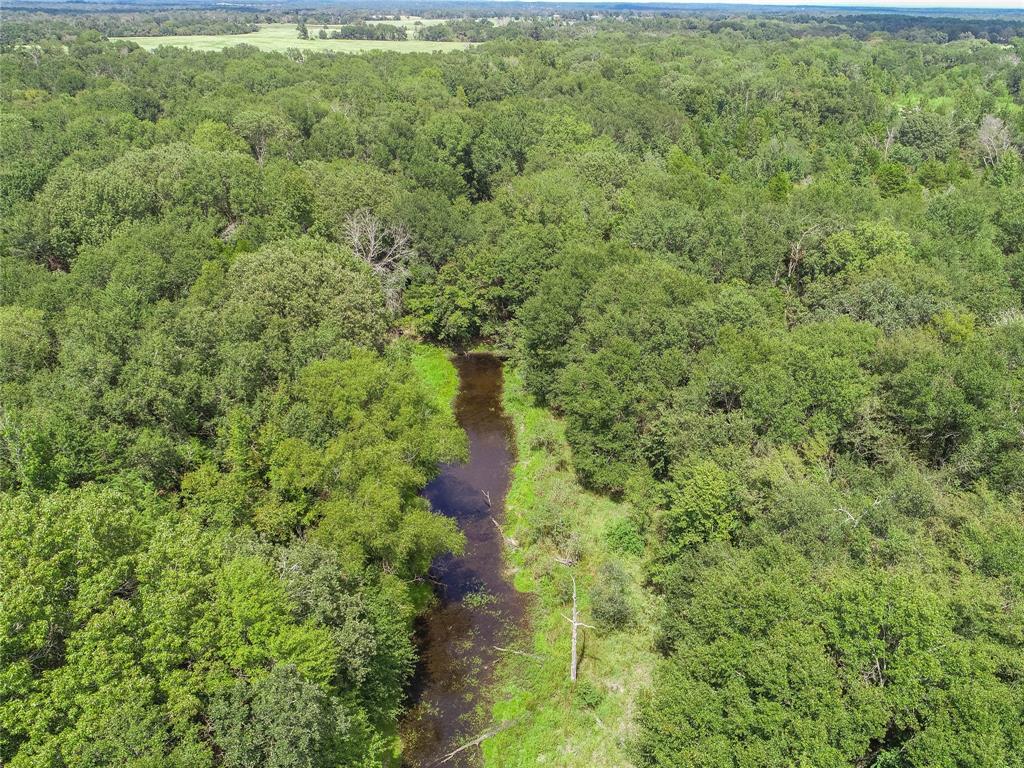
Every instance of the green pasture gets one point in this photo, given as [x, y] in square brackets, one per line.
[282, 37]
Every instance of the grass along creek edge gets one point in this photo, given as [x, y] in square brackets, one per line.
[557, 723]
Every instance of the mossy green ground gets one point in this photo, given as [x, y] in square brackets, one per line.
[557, 723]
[436, 371]
[283, 37]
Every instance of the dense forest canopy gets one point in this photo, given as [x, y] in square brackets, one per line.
[769, 271]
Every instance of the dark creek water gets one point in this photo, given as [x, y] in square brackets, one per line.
[477, 607]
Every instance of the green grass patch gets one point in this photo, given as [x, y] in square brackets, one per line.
[283, 37]
[434, 367]
[557, 723]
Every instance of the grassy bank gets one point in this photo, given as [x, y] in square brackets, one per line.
[283, 37]
[435, 369]
[549, 515]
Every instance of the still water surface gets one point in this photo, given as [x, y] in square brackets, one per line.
[477, 608]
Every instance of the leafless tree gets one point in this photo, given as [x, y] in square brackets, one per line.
[387, 248]
[994, 138]
[797, 252]
[576, 624]
[890, 139]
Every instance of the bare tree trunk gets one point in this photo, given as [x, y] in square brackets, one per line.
[890, 139]
[576, 624]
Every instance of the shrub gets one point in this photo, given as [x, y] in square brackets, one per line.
[588, 694]
[610, 601]
[624, 537]
[544, 438]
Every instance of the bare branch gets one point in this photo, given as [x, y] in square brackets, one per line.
[386, 248]
[476, 741]
[535, 657]
[508, 539]
[994, 138]
[890, 139]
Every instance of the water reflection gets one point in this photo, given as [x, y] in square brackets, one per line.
[478, 609]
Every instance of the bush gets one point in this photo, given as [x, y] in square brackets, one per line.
[544, 438]
[624, 537]
[549, 523]
[588, 694]
[892, 179]
[611, 604]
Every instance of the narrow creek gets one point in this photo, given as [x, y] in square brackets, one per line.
[477, 607]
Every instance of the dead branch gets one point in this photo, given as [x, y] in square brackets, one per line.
[386, 248]
[994, 139]
[508, 539]
[535, 657]
[798, 249]
[476, 741]
[854, 520]
[890, 139]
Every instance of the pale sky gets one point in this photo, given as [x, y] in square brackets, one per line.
[972, 4]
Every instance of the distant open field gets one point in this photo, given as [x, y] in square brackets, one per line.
[409, 22]
[281, 37]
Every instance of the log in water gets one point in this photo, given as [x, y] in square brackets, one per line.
[477, 609]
